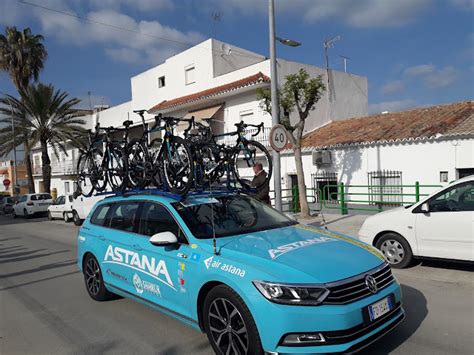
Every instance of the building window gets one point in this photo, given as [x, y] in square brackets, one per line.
[66, 187]
[325, 186]
[161, 81]
[385, 188]
[443, 176]
[189, 74]
[246, 116]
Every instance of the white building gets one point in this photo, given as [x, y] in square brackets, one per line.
[214, 79]
[386, 154]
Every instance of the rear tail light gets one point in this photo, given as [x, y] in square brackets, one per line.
[29, 203]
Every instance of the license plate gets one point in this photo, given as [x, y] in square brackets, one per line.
[378, 309]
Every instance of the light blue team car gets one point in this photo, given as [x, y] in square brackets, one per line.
[250, 277]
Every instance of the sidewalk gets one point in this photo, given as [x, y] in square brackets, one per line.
[348, 224]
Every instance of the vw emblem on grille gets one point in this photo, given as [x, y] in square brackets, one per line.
[371, 284]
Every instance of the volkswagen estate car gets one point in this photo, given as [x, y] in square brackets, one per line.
[251, 278]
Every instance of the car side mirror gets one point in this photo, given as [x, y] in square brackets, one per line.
[163, 239]
[425, 208]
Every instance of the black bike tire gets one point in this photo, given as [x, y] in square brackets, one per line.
[82, 157]
[183, 190]
[144, 180]
[118, 188]
[270, 166]
[157, 169]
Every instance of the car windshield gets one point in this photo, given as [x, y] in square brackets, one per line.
[233, 215]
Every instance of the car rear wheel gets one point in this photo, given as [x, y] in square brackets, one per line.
[93, 279]
[396, 250]
[229, 324]
[66, 217]
[25, 213]
[76, 219]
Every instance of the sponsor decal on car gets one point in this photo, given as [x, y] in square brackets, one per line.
[216, 264]
[149, 266]
[117, 276]
[145, 286]
[367, 247]
[283, 249]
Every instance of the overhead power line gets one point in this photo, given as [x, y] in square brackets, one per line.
[124, 29]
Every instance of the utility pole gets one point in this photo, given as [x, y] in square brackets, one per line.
[275, 103]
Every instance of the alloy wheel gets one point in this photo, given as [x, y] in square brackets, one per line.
[393, 251]
[228, 327]
[93, 278]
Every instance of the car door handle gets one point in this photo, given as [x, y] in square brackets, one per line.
[136, 247]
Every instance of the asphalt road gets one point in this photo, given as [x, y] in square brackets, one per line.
[45, 309]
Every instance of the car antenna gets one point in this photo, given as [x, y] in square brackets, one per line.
[214, 242]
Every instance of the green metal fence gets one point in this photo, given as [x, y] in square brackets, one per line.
[356, 197]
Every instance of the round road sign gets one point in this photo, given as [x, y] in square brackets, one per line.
[6, 182]
[278, 137]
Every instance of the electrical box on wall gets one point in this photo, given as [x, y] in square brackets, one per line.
[322, 157]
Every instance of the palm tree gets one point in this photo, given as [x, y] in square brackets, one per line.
[22, 56]
[46, 116]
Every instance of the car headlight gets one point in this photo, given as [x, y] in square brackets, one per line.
[302, 295]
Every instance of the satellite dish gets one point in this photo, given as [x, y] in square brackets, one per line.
[226, 49]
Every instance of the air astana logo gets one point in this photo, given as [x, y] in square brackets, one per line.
[283, 249]
[133, 260]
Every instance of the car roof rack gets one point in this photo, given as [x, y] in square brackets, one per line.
[218, 191]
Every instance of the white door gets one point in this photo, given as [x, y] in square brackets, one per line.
[447, 230]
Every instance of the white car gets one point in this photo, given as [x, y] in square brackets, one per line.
[81, 206]
[61, 208]
[31, 204]
[439, 226]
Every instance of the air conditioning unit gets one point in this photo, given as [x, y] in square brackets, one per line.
[322, 157]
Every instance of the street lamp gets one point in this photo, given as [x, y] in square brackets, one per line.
[274, 96]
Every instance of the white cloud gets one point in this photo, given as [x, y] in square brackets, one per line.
[392, 106]
[442, 78]
[141, 5]
[463, 4]
[419, 70]
[140, 41]
[360, 13]
[432, 77]
[392, 87]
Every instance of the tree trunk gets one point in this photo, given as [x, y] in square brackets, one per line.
[46, 167]
[29, 171]
[301, 182]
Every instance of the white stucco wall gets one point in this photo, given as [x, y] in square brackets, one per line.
[418, 161]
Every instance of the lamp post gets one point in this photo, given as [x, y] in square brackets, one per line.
[274, 96]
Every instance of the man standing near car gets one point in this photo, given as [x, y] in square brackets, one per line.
[259, 179]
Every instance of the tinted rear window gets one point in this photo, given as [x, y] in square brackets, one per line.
[98, 218]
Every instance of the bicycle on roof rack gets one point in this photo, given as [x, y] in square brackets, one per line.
[103, 162]
[214, 161]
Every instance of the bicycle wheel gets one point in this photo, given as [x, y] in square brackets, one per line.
[157, 177]
[246, 157]
[178, 165]
[85, 168]
[139, 167]
[117, 168]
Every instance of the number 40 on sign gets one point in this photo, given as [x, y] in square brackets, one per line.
[278, 137]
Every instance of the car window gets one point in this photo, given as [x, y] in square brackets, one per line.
[23, 198]
[122, 216]
[457, 198]
[10, 200]
[71, 199]
[44, 197]
[34, 198]
[156, 218]
[98, 218]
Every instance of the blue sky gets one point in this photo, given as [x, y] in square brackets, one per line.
[414, 52]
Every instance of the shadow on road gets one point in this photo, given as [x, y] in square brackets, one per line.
[447, 264]
[41, 268]
[416, 310]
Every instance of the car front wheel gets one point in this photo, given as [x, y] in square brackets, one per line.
[396, 250]
[50, 216]
[66, 217]
[229, 324]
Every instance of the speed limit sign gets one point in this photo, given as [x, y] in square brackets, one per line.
[278, 137]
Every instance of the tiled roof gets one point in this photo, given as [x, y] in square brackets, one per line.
[422, 123]
[250, 80]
